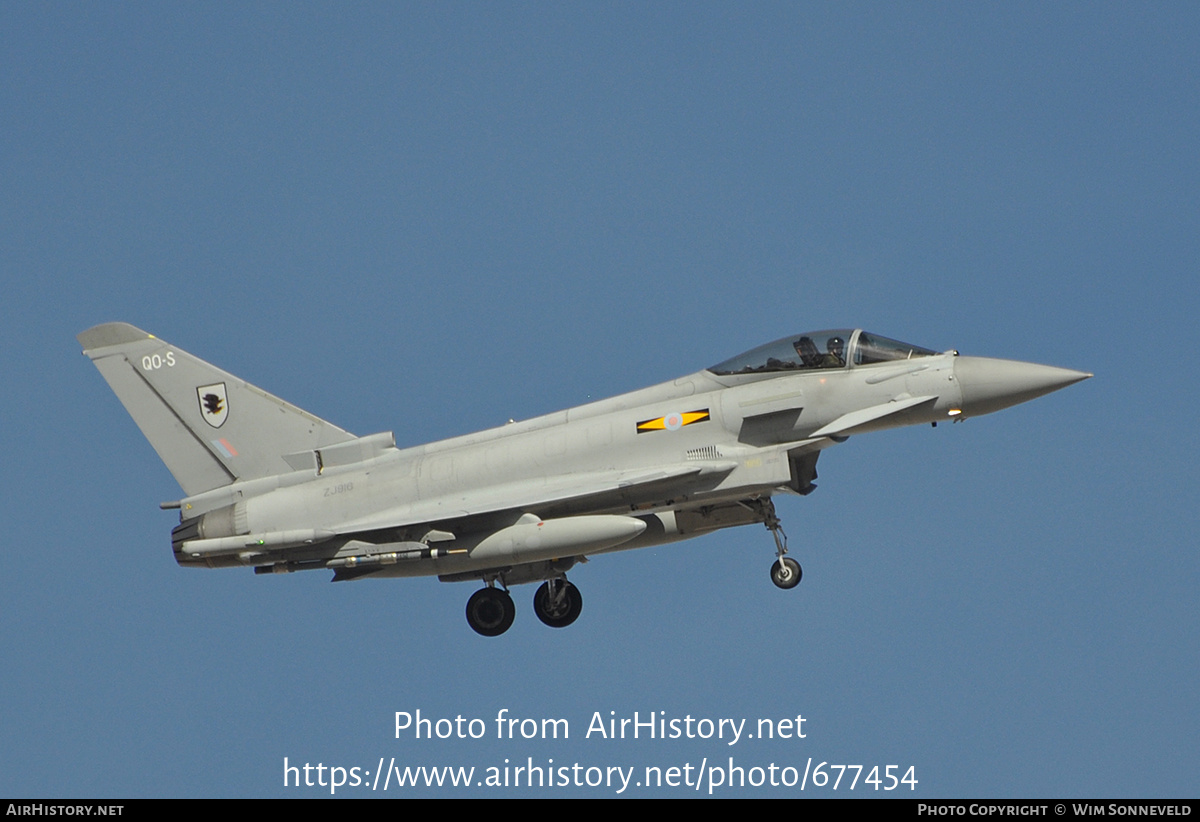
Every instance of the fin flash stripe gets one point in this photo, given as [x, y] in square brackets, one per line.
[672, 421]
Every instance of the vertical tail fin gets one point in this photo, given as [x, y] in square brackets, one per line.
[209, 427]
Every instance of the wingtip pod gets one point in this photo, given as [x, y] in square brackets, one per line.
[107, 335]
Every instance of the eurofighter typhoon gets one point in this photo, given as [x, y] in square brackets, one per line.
[269, 486]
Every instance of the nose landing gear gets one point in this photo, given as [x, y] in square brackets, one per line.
[786, 572]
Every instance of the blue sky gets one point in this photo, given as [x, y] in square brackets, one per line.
[433, 218]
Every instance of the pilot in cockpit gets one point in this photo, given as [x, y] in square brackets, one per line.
[836, 356]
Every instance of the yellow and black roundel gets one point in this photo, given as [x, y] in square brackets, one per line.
[673, 421]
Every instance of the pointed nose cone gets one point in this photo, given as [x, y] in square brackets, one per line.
[988, 385]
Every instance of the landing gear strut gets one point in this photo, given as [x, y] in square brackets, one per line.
[557, 603]
[490, 611]
[786, 572]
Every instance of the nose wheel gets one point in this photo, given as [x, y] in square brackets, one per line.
[490, 611]
[786, 573]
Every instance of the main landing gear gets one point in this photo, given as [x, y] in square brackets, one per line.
[490, 610]
[786, 572]
[557, 603]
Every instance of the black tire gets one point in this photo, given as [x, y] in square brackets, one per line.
[786, 573]
[567, 611]
[490, 611]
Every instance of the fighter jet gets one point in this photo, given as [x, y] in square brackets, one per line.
[269, 486]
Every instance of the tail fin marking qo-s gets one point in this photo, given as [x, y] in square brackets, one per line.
[209, 427]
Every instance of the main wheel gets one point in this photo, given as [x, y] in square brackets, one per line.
[558, 614]
[490, 611]
[786, 573]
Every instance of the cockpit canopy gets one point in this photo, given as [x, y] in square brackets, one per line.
[813, 350]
